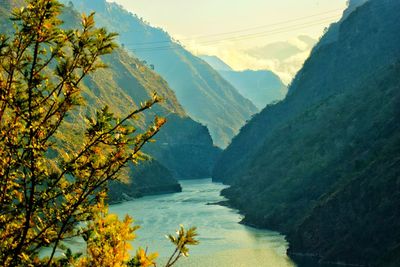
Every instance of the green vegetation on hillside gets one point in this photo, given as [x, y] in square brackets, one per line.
[53, 185]
[203, 93]
[184, 148]
[323, 165]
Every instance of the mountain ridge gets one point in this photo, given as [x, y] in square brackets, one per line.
[321, 165]
[216, 63]
[223, 110]
[123, 86]
[261, 87]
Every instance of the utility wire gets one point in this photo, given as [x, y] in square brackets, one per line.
[278, 30]
[176, 46]
[239, 31]
[239, 37]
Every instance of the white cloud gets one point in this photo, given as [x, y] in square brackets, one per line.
[238, 57]
[301, 45]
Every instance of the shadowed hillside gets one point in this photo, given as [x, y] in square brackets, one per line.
[323, 165]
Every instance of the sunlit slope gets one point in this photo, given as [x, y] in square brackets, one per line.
[122, 87]
[183, 146]
[204, 94]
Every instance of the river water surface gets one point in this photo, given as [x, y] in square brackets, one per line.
[223, 241]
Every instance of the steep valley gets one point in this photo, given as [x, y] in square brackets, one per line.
[202, 92]
[123, 86]
[323, 165]
[302, 175]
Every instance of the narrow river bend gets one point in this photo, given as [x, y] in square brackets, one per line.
[223, 241]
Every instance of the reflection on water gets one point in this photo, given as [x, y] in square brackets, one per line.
[224, 242]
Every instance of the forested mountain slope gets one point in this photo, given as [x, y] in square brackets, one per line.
[122, 87]
[183, 146]
[323, 165]
[203, 93]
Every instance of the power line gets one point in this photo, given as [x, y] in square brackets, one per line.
[239, 31]
[240, 37]
[273, 24]
[175, 46]
[278, 30]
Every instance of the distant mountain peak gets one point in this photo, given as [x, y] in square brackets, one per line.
[216, 63]
[261, 87]
[352, 5]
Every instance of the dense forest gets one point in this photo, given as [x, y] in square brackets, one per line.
[323, 165]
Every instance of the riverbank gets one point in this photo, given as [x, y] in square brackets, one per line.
[223, 241]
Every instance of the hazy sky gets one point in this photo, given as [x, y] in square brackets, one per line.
[228, 27]
[191, 18]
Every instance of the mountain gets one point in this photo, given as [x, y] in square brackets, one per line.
[149, 178]
[333, 33]
[216, 63]
[352, 5]
[284, 58]
[261, 87]
[322, 166]
[184, 146]
[204, 94]
[122, 87]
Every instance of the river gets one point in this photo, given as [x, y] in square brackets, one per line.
[223, 241]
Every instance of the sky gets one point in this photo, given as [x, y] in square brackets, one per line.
[229, 28]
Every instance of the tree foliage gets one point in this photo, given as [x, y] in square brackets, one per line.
[181, 241]
[47, 190]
